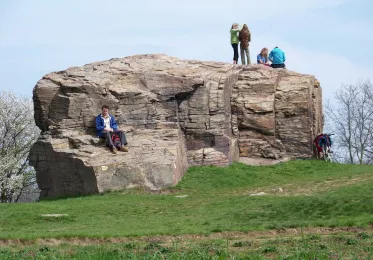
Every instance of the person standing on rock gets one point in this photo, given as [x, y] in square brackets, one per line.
[245, 37]
[234, 41]
[277, 56]
[106, 127]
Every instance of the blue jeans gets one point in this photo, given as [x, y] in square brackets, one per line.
[235, 51]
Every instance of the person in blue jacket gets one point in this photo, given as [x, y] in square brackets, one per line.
[106, 126]
[277, 57]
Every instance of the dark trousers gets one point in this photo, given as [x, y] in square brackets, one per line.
[277, 66]
[235, 51]
[109, 141]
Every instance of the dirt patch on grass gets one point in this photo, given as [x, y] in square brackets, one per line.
[169, 239]
[262, 161]
[309, 188]
[327, 185]
[144, 190]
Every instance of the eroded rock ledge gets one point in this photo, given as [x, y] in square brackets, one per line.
[176, 113]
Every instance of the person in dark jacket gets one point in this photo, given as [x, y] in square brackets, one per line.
[106, 126]
[245, 37]
[322, 142]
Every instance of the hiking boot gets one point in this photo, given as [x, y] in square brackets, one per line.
[123, 148]
[113, 149]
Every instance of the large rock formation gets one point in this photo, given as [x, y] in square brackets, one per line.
[176, 113]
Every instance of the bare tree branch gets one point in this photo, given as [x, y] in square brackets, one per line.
[352, 116]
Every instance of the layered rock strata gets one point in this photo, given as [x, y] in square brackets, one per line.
[176, 113]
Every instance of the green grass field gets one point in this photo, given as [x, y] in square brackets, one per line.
[302, 194]
[311, 246]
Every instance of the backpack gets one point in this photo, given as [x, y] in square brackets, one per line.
[329, 140]
[116, 140]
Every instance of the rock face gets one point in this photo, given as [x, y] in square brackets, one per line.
[175, 113]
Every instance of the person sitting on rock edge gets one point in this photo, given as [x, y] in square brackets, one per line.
[106, 126]
[277, 56]
[262, 57]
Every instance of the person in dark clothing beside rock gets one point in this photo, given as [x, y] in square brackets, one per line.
[106, 127]
[277, 56]
[245, 37]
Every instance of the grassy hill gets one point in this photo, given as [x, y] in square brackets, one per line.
[299, 194]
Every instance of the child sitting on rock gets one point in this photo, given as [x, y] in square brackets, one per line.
[262, 57]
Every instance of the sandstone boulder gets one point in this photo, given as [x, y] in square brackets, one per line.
[176, 113]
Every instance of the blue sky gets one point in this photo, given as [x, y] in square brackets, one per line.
[330, 39]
